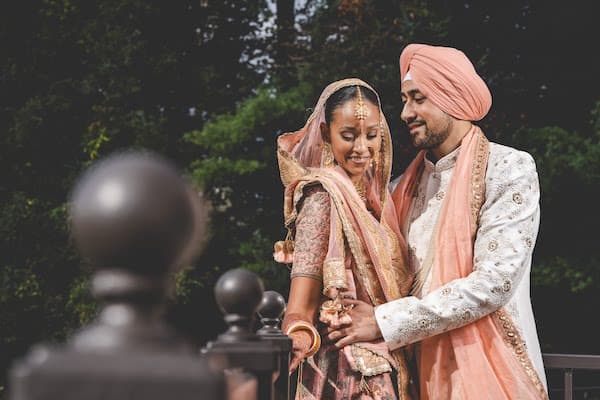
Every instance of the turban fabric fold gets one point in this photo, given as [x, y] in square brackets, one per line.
[448, 78]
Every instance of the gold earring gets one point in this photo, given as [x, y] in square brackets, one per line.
[382, 147]
[376, 161]
[327, 156]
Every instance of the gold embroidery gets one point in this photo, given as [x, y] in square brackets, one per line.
[361, 190]
[514, 340]
[478, 179]
[368, 362]
[333, 273]
[517, 198]
[289, 169]
[361, 111]
[355, 245]
[333, 312]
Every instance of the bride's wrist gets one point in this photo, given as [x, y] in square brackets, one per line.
[305, 327]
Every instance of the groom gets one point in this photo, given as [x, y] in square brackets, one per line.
[469, 210]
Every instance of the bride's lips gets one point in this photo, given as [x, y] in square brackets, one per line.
[359, 160]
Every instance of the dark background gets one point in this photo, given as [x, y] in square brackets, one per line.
[210, 84]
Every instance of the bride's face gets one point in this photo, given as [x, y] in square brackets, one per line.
[355, 136]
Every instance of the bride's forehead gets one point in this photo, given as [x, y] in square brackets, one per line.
[348, 113]
[351, 105]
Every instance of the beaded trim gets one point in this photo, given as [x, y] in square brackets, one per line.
[515, 342]
[368, 362]
[478, 179]
[333, 273]
[361, 111]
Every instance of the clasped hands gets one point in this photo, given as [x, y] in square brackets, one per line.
[346, 321]
[357, 325]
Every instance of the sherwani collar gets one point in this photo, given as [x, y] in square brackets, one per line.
[443, 164]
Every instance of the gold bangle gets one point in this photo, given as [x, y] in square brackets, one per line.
[305, 326]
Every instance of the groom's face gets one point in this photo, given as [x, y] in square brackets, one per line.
[429, 126]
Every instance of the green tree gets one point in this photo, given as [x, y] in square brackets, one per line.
[78, 81]
[237, 165]
[568, 165]
[81, 79]
[239, 173]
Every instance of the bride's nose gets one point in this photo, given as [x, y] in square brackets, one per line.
[360, 144]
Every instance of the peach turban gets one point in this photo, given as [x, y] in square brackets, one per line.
[447, 77]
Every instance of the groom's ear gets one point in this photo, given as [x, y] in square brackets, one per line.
[325, 135]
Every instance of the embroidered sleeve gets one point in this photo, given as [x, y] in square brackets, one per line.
[312, 234]
[509, 221]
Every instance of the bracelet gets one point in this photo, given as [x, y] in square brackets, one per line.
[305, 326]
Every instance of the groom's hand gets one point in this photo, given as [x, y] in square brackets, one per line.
[363, 327]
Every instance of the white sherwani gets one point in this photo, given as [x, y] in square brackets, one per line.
[508, 227]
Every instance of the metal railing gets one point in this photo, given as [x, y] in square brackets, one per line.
[129, 351]
[568, 363]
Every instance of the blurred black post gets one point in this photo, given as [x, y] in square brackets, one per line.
[134, 219]
[239, 293]
[270, 311]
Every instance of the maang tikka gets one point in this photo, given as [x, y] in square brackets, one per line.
[360, 111]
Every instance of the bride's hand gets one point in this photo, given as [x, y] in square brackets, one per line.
[301, 342]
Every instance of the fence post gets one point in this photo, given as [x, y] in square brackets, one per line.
[132, 218]
[270, 311]
[238, 293]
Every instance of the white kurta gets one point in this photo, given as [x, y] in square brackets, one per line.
[508, 227]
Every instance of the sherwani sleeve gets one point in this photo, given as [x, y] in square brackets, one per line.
[509, 220]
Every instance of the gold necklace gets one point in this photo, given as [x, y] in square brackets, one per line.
[361, 190]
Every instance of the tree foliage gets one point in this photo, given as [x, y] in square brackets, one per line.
[240, 175]
[568, 165]
[79, 80]
[211, 84]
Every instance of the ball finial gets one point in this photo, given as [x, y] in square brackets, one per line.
[132, 211]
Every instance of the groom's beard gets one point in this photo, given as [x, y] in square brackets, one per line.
[431, 139]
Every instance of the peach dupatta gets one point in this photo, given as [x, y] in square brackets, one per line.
[486, 357]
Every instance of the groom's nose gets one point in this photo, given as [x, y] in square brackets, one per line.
[408, 112]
